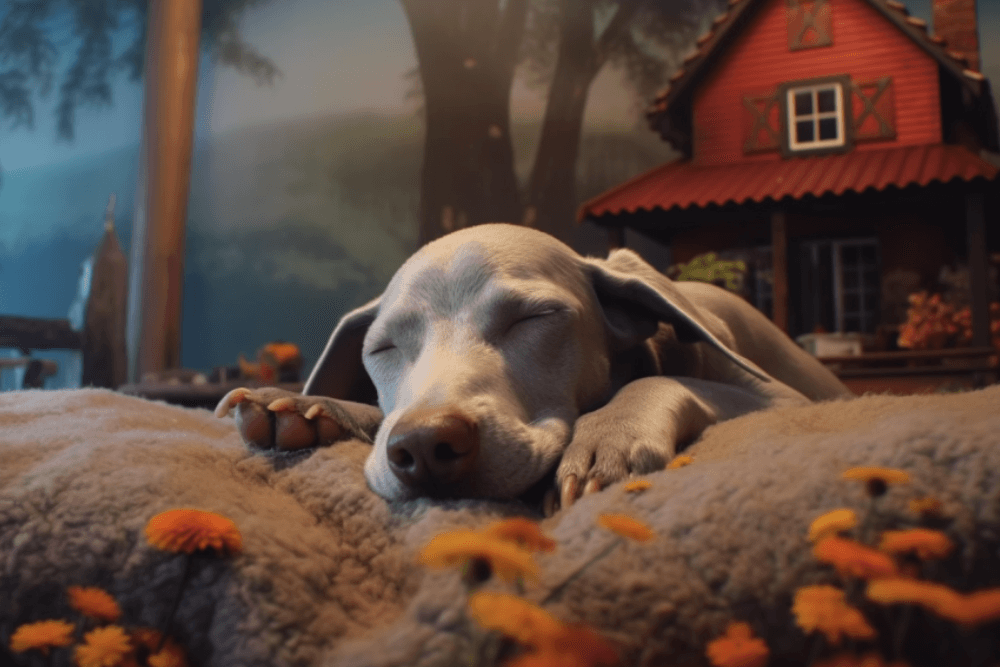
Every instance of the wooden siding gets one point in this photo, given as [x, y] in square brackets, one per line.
[865, 45]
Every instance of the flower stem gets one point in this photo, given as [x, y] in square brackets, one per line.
[900, 634]
[557, 591]
[169, 621]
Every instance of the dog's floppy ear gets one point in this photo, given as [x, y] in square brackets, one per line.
[339, 372]
[635, 297]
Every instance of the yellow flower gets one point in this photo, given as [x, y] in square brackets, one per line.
[523, 532]
[553, 642]
[737, 648]
[832, 523]
[94, 602]
[876, 479]
[41, 636]
[458, 547]
[823, 608]
[853, 559]
[171, 655]
[626, 526]
[926, 543]
[680, 462]
[103, 647]
[637, 485]
[925, 506]
[190, 530]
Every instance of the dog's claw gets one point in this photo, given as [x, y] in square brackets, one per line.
[316, 410]
[593, 485]
[284, 404]
[550, 502]
[231, 399]
[569, 491]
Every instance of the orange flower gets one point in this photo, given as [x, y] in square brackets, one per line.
[103, 647]
[190, 530]
[853, 559]
[925, 506]
[626, 526]
[851, 660]
[171, 655]
[975, 608]
[637, 485]
[459, 547]
[553, 642]
[832, 523]
[41, 636]
[896, 590]
[94, 602]
[823, 608]
[737, 648]
[876, 479]
[680, 462]
[968, 609]
[926, 543]
[523, 532]
[516, 618]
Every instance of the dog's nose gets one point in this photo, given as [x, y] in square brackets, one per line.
[430, 448]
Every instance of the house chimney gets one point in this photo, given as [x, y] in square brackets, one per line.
[955, 22]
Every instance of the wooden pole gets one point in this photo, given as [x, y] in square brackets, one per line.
[779, 268]
[616, 238]
[157, 277]
[975, 229]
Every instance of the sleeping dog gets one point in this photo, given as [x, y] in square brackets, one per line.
[498, 356]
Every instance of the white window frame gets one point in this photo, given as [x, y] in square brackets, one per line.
[816, 116]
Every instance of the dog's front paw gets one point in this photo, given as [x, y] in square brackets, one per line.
[270, 418]
[603, 452]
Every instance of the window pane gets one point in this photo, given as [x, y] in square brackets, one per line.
[804, 131]
[868, 253]
[852, 303]
[826, 100]
[850, 279]
[848, 255]
[852, 324]
[828, 128]
[871, 302]
[803, 104]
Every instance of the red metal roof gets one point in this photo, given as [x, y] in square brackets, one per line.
[682, 184]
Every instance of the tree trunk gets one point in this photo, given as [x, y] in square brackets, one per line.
[552, 187]
[466, 50]
[551, 200]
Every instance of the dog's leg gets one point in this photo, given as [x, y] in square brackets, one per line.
[639, 430]
[270, 418]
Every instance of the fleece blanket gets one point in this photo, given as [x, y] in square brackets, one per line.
[328, 574]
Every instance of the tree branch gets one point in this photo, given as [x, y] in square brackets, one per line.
[619, 25]
[510, 35]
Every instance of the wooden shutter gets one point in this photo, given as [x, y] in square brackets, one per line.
[873, 110]
[762, 124]
[810, 23]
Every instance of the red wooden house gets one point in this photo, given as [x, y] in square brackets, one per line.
[838, 146]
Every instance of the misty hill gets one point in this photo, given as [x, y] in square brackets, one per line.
[289, 224]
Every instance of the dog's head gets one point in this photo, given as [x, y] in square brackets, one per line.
[483, 350]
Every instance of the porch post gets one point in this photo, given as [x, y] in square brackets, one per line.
[975, 229]
[157, 275]
[779, 268]
[616, 238]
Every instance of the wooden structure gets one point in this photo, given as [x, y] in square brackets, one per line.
[154, 309]
[835, 145]
[102, 339]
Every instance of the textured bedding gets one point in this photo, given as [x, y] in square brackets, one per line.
[328, 574]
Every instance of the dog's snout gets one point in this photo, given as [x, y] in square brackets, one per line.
[433, 448]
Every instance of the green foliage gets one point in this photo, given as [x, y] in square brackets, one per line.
[33, 32]
[708, 268]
